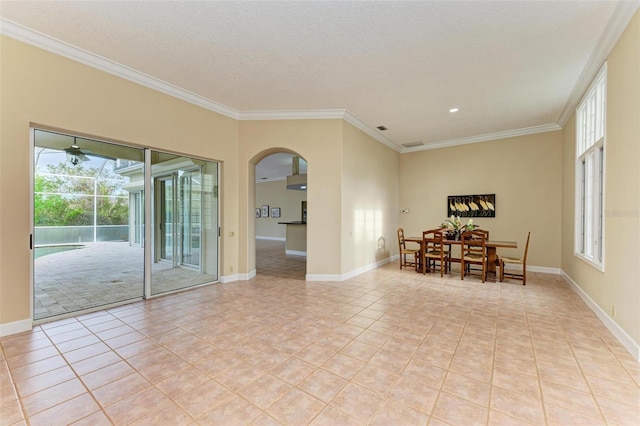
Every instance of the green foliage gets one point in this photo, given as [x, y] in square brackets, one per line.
[64, 197]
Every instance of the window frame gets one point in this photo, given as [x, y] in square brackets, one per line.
[590, 173]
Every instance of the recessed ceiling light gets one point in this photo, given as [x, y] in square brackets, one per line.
[453, 110]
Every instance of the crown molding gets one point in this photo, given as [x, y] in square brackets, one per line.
[320, 114]
[34, 38]
[375, 134]
[620, 19]
[622, 15]
[313, 114]
[486, 137]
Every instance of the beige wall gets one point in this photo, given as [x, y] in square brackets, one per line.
[370, 185]
[619, 284]
[39, 87]
[276, 194]
[319, 143]
[350, 175]
[525, 174]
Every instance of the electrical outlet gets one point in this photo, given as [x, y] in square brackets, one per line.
[613, 311]
[231, 233]
[230, 268]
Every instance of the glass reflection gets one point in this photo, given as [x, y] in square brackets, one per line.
[185, 205]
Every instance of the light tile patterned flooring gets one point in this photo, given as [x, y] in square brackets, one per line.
[387, 347]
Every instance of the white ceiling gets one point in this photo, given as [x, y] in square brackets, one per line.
[511, 67]
[277, 167]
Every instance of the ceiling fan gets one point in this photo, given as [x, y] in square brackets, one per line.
[76, 156]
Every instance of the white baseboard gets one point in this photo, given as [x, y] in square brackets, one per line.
[364, 269]
[544, 269]
[623, 337]
[348, 275]
[15, 327]
[296, 252]
[271, 238]
[237, 277]
[323, 277]
[228, 278]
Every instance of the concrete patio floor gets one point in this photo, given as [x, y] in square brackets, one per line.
[100, 274]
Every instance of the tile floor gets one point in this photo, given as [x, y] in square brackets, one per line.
[387, 347]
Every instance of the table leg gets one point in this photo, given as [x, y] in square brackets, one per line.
[491, 264]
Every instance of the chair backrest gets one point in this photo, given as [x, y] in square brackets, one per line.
[526, 248]
[474, 243]
[401, 238]
[433, 239]
[484, 231]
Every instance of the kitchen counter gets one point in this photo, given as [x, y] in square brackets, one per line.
[296, 239]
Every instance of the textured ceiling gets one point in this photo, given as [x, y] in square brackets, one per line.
[509, 66]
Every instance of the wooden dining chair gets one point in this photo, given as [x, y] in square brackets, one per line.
[486, 236]
[520, 262]
[473, 252]
[434, 251]
[404, 251]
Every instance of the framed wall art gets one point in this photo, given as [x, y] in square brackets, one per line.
[258, 212]
[275, 212]
[265, 211]
[483, 205]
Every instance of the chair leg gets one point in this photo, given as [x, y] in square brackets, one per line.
[501, 271]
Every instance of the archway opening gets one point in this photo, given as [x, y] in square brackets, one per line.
[281, 215]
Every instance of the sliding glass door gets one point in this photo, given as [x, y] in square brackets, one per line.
[89, 227]
[186, 206]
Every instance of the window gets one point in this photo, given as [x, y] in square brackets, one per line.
[590, 151]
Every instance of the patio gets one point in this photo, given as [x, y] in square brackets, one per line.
[100, 274]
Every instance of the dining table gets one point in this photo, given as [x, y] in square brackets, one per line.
[492, 253]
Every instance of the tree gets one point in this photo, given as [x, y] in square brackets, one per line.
[64, 197]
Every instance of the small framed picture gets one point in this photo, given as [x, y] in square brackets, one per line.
[275, 212]
[258, 212]
[265, 211]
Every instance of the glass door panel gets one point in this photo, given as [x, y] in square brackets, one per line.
[186, 205]
[86, 253]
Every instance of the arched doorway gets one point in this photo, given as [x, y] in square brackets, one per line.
[280, 215]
